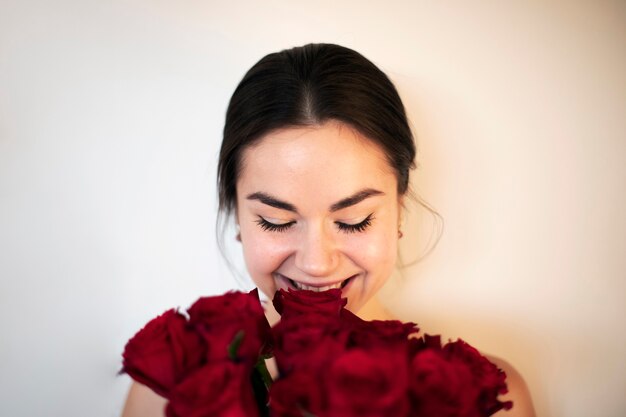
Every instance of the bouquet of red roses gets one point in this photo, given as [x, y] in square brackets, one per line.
[211, 362]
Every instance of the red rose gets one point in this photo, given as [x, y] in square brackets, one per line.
[486, 376]
[442, 387]
[307, 342]
[348, 318]
[288, 303]
[163, 352]
[428, 341]
[371, 383]
[381, 333]
[219, 389]
[293, 395]
[220, 319]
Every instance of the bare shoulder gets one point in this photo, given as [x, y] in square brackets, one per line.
[518, 391]
[143, 402]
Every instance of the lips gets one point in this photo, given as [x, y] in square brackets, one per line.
[317, 288]
[300, 286]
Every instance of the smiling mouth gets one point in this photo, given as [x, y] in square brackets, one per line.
[299, 286]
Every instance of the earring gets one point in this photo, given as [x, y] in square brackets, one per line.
[238, 235]
[400, 234]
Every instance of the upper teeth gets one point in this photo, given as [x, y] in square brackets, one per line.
[316, 289]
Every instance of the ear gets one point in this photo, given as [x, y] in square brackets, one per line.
[401, 209]
[237, 227]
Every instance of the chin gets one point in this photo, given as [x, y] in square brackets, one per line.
[354, 307]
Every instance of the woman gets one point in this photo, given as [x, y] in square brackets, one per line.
[314, 167]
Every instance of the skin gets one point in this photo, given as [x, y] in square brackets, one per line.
[290, 185]
[318, 206]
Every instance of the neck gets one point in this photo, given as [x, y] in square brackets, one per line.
[375, 310]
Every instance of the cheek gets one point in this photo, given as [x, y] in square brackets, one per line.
[263, 253]
[376, 253]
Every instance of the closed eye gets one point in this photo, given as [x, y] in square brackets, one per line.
[273, 227]
[354, 228]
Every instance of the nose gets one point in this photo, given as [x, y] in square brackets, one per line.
[317, 254]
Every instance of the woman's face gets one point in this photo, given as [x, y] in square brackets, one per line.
[318, 208]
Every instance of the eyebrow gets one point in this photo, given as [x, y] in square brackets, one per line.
[339, 205]
[272, 201]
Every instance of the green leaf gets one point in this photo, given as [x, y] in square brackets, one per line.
[260, 393]
[261, 368]
[234, 345]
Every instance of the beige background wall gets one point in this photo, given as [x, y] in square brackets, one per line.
[110, 122]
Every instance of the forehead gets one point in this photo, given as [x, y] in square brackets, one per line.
[332, 160]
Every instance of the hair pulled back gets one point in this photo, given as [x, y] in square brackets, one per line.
[308, 86]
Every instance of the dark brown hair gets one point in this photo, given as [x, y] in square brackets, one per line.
[310, 85]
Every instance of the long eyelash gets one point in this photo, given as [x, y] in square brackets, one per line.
[354, 228]
[271, 227]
